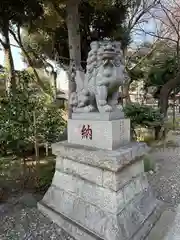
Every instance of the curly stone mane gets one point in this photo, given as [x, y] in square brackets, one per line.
[91, 64]
[104, 75]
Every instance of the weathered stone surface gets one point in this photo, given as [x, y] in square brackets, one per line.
[83, 213]
[89, 192]
[70, 227]
[104, 159]
[115, 133]
[134, 215]
[165, 226]
[96, 116]
[102, 223]
[115, 180]
[105, 178]
[90, 173]
[102, 197]
[149, 223]
[114, 206]
[98, 90]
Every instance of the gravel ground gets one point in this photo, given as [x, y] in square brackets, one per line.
[20, 219]
[166, 179]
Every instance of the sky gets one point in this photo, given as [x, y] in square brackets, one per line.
[19, 65]
[62, 78]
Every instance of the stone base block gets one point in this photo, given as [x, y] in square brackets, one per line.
[101, 194]
[96, 116]
[100, 134]
[133, 223]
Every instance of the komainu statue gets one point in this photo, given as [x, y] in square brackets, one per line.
[105, 73]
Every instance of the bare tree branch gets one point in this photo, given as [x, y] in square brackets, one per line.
[19, 42]
[2, 43]
[140, 12]
[153, 34]
[147, 55]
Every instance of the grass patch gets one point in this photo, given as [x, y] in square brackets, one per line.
[145, 135]
[149, 140]
[17, 176]
[149, 165]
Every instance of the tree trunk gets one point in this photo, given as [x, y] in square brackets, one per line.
[165, 92]
[36, 145]
[125, 87]
[126, 95]
[163, 103]
[164, 97]
[54, 75]
[8, 59]
[74, 40]
[157, 132]
[174, 110]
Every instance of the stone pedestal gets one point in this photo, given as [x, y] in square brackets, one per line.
[101, 194]
[99, 189]
[105, 134]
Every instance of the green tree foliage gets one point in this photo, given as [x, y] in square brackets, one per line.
[97, 20]
[136, 68]
[156, 64]
[136, 61]
[144, 116]
[162, 66]
[18, 128]
[20, 10]
[15, 12]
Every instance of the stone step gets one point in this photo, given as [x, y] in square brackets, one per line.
[163, 230]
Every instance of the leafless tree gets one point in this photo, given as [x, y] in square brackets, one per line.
[167, 16]
[139, 14]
